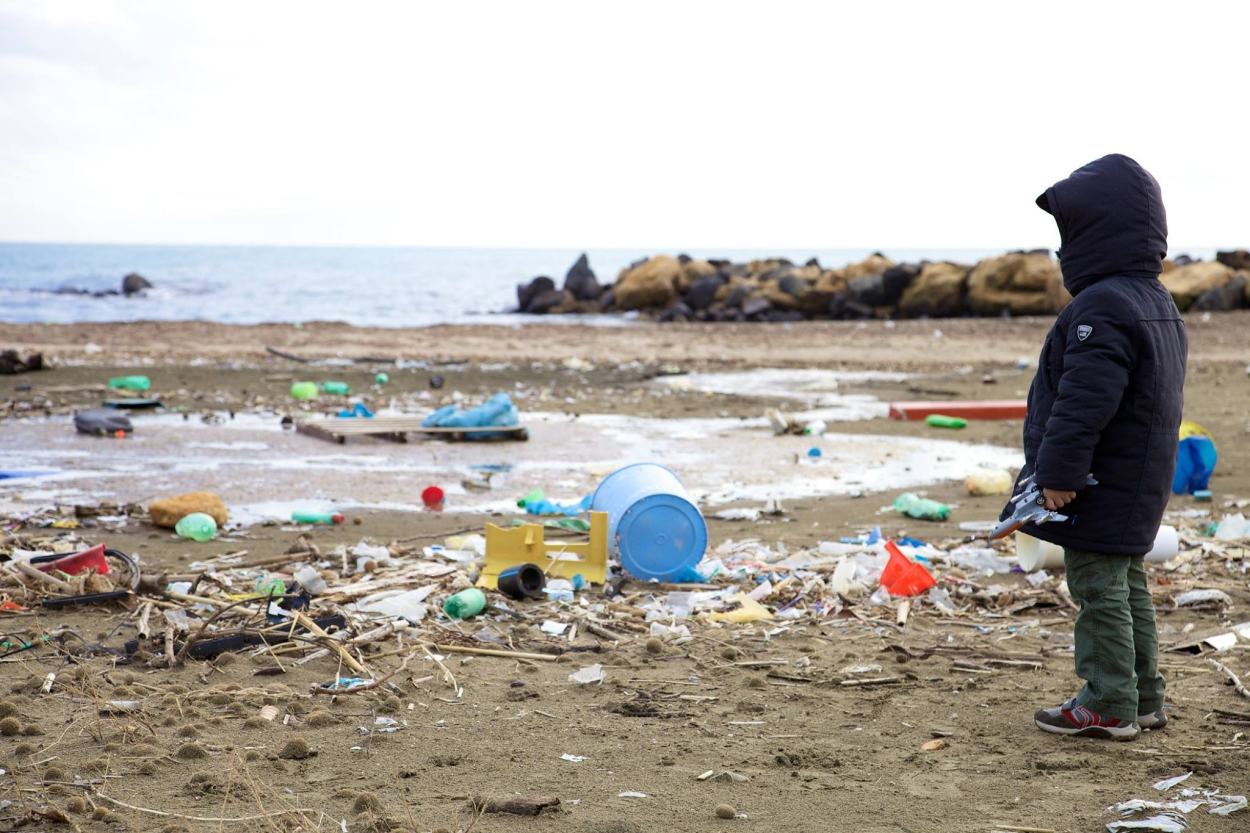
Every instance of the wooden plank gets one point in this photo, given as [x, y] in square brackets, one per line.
[993, 409]
[317, 431]
[396, 429]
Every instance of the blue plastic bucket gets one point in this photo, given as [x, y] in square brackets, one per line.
[653, 525]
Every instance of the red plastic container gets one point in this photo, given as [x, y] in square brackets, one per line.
[433, 497]
[79, 562]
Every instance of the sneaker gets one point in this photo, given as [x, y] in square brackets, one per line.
[1071, 719]
[1152, 720]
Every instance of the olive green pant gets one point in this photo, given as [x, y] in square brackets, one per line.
[1117, 646]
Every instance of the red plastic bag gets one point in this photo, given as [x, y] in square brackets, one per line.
[903, 577]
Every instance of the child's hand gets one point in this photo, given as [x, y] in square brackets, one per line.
[1056, 499]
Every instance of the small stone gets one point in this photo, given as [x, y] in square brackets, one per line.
[934, 745]
[725, 811]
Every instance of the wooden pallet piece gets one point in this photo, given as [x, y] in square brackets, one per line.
[397, 429]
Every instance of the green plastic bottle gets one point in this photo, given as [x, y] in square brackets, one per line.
[921, 508]
[197, 526]
[304, 390]
[381, 379]
[466, 603]
[533, 497]
[942, 421]
[336, 388]
[130, 382]
[324, 518]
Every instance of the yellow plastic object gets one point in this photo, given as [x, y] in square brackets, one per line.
[525, 545]
[750, 611]
[1193, 429]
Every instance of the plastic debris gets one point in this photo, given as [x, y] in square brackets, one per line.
[749, 611]
[1197, 597]
[1169, 783]
[1233, 528]
[589, 674]
[921, 508]
[1161, 823]
[902, 577]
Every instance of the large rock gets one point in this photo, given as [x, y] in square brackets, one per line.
[702, 292]
[1018, 283]
[581, 280]
[526, 292]
[759, 268]
[691, 271]
[1231, 295]
[650, 284]
[1187, 283]
[938, 291]
[677, 312]
[168, 511]
[777, 297]
[874, 264]
[885, 288]
[552, 300]
[736, 295]
[793, 284]
[135, 283]
[1238, 260]
[756, 308]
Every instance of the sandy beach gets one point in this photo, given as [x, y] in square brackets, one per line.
[775, 701]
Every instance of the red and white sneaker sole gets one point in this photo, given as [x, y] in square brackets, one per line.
[1129, 732]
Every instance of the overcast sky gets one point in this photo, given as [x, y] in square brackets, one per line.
[668, 125]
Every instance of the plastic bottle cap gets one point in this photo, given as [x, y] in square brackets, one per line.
[433, 496]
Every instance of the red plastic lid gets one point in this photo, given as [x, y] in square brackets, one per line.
[433, 496]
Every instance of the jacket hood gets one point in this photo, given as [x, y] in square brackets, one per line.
[1111, 222]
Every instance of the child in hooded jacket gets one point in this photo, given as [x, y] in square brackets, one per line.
[1106, 400]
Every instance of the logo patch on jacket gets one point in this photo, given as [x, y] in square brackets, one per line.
[1083, 332]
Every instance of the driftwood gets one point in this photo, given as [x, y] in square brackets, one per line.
[518, 805]
[318, 689]
[1238, 686]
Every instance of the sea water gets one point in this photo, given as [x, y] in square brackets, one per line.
[385, 287]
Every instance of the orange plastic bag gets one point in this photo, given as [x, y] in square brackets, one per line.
[903, 577]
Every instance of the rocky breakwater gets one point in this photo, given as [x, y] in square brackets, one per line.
[682, 288]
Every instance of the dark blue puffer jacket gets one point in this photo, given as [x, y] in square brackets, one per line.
[1107, 396]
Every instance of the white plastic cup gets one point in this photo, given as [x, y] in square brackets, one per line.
[1167, 544]
[1035, 554]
